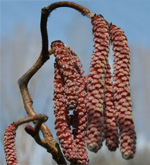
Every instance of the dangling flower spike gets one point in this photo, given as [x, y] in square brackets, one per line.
[96, 82]
[80, 114]
[9, 144]
[70, 70]
[69, 73]
[122, 92]
[110, 125]
[62, 125]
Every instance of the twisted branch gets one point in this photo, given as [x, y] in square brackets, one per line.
[49, 143]
[40, 119]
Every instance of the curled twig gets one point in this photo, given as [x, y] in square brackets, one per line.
[40, 118]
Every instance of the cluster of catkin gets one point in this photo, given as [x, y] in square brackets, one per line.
[70, 103]
[109, 101]
[100, 106]
[97, 107]
[90, 109]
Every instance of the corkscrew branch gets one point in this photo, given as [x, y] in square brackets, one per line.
[40, 119]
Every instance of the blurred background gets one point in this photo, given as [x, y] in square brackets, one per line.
[21, 46]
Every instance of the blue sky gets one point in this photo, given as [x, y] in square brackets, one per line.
[133, 17]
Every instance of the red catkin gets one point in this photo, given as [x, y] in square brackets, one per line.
[80, 114]
[77, 65]
[96, 82]
[9, 144]
[110, 125]
[122, 92]
[62, 125]
[69, 68]
[69, 74]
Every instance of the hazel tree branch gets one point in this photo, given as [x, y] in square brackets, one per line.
[49, 143]
[40, 118]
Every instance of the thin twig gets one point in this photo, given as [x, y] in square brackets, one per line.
[40, 118]
[83, 10]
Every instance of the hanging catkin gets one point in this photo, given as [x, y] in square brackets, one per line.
[9, 144]
[96, 82]
[62, 126]
[110, 125]
[122, 92]
[72, 78]
[80, 114]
